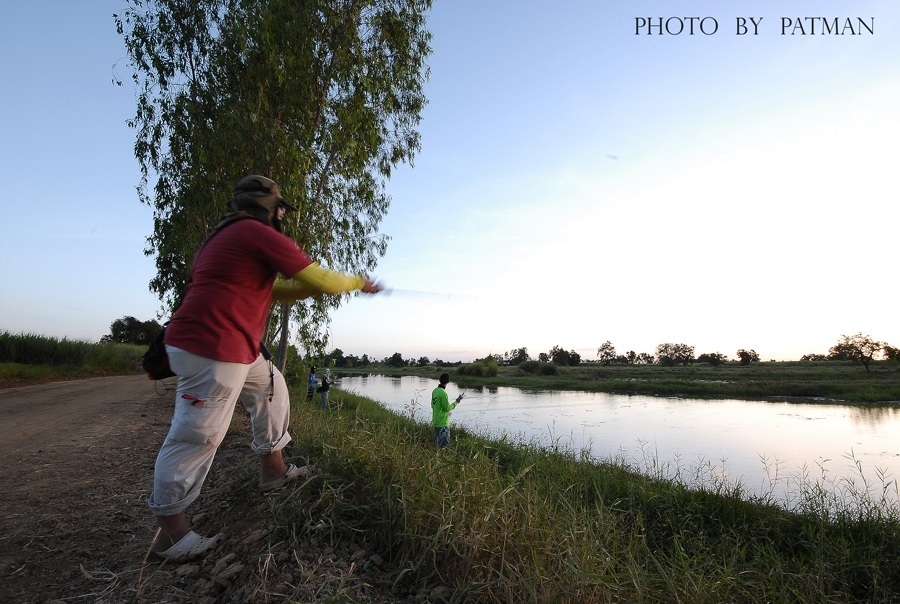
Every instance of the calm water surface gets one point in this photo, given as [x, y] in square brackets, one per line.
[767, 447]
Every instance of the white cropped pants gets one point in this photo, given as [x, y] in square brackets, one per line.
[204, 404]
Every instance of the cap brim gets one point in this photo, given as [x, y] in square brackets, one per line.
[284, 203]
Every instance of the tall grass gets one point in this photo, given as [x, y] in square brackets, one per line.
[505, 520]
[34, 357]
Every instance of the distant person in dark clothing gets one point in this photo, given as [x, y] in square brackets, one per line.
[325, 387]
[312, 383]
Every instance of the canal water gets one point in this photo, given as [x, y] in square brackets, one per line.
[774, 449]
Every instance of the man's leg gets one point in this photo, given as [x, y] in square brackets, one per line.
[442, 437]
[265, 397]
[204, 403]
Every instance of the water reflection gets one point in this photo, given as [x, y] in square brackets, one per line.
[771, 448]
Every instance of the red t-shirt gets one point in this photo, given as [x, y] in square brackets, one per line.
[224, 311]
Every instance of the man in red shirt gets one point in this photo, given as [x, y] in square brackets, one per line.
[213, 343]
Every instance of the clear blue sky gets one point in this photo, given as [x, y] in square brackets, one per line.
[577, 183]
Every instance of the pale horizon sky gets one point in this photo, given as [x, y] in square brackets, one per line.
[577, 183]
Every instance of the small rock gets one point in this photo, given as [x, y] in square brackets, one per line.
[232, 571]
[223, 562]
[257, 535]
[203, 586]
[188, 570]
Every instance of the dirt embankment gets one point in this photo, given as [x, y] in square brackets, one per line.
[77, 469]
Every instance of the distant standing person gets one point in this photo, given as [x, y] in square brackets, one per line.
[440, 411]
[325, 387]
[214, 347]
[312, 384]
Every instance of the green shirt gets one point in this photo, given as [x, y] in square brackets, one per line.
[440, 408]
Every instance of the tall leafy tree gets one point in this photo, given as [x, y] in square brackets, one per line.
[670, 354]
[323, 96]
[747, 356]
[560, 356]
[606, 354]
[858, 348]
[129, 330]
[516, 356]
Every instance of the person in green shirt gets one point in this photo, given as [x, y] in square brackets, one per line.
[440, 411]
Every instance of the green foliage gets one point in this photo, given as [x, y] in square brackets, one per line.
[31, 349]
[562, 357]
[30, 356]
[516, 356]
[323, 96]
[606, 354]
[858, 348]
[669, 355]
[747, 356]
[296, 368]
[539, 368]
[891, 353]
[594, 532]
[713, 358]
[396, 360]
[487, 367]
[129, 330]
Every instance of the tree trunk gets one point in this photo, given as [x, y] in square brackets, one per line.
[281, 357]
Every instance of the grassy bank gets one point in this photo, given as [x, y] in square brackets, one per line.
[29, 358]
[830, 381]
[505, 521]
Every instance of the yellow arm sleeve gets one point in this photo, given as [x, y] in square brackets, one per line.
[312, 281]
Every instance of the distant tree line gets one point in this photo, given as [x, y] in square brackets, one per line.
[858, 348]
[557, 355]
[337, 358]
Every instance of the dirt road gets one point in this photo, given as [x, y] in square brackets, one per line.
[77, 468]
[76, 471]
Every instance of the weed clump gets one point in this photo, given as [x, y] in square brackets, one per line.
[538, 368]
[487, 367]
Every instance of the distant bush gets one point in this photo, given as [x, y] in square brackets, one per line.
[30, 349]
[539, 368]
[480, 368]
[103, 357]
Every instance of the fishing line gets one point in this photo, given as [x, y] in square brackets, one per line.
[423, 295]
